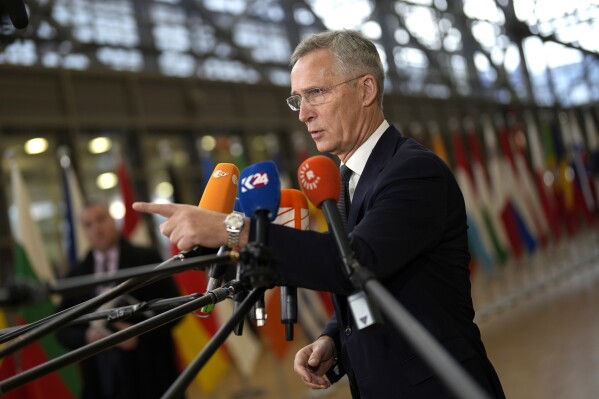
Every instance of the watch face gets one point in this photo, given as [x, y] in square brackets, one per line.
[234, 221]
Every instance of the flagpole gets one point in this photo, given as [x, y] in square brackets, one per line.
[77, 243]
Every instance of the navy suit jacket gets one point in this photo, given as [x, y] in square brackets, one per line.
[408, 226]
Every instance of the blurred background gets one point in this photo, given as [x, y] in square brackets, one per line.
[139, 99]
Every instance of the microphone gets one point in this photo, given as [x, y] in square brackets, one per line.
[260, 191]
[16, 12]
[219, 195]
[260, 195]
[293, 212]
[320, 181]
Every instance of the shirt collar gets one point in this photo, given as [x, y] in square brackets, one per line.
[358, 160]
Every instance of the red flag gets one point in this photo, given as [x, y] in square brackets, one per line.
[134, 227]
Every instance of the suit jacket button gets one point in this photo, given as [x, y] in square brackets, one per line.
[348, 331]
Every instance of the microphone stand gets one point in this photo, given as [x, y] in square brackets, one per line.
[177, 389]
[426, 346]
[86, 351]
[255, 268]
[259, 269]
[438, 359]
[435, 355]
[54, 322]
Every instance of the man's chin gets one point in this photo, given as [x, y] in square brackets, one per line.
[323, 147]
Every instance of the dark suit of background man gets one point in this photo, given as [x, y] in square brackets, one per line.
[144, 366]
[407, 224]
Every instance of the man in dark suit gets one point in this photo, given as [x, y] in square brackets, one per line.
[143, 366]
[407, 224]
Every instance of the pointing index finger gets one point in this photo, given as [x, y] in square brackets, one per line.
[165, 210]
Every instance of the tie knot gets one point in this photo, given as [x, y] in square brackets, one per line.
[345, 173]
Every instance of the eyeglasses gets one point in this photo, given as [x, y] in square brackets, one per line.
[315, 96]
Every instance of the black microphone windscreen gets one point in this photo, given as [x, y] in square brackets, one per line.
[17, 13]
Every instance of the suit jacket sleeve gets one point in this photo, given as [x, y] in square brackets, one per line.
[407, 214]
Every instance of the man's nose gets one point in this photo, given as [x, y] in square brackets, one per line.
[306, 112]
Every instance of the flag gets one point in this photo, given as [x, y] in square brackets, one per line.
[565, 186]
[527, 226]
[501, 201]
[552, 177]
[437, 144]
[478, 237]
[438, 147]
[592, 135]
[541, 177]
[528, 196]
[585, 201]
[134, 227]
[77, 243]
[31, 262]
[490, 218]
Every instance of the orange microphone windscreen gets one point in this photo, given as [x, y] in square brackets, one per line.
[319, 179]
[221, 190]
[293, 210]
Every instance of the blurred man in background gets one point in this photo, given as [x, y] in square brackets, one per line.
[143, 366]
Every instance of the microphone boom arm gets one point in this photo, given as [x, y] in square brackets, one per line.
[86, 351]
[54, 322]
[114, 314]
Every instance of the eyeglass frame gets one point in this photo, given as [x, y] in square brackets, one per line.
[313, 92]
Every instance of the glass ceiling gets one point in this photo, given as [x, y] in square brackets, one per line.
[530, 51]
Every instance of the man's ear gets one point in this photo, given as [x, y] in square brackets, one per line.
[370, 90]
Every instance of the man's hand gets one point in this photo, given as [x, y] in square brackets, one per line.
[312, 362]
[188, 226]
[95, 333]
[129, 344]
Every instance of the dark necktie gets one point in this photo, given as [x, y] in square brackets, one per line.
[104, 270]
[344, 201]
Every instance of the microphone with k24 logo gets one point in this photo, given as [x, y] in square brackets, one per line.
[260, 195]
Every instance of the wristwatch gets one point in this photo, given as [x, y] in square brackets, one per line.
[233, 223]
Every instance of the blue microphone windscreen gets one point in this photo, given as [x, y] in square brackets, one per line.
[260, 189]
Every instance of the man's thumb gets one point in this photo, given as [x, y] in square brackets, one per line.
[314, 359]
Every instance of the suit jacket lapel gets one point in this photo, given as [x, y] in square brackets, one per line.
[382, 151]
